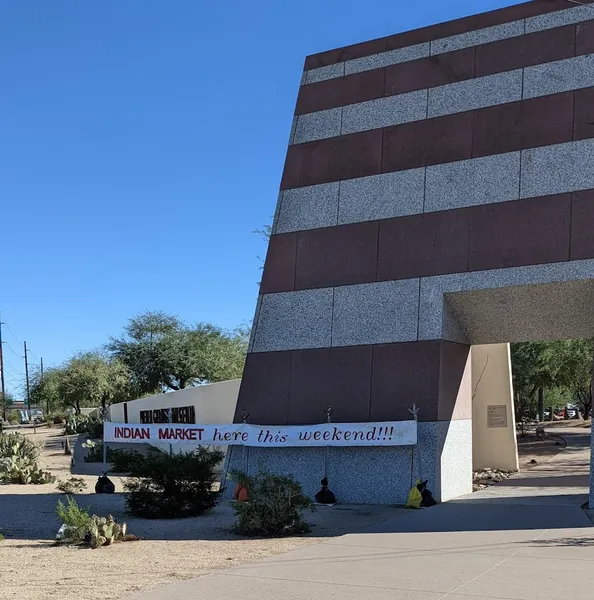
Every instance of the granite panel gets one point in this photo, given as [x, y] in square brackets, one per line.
[422, 245]
[427, 142]
[337, 256]
[384, 59]
[560, 76]
[366, 48]
[455, 458]
[433, 289]
[430, 72]
[526, 50]
[340, 377]
[480, 36]
[279, 268]
[497, 129]
[255, 323]
[375, 313]
[435, 32]
[308, 208]
[558, 169]
[559, 18]
[373, 475]
[317, 125]
[525, 232]
[535, 122]
[341, 92]
[455, 382]
[384, 112]
[295, 320]
[402, 372]
[582, 225]
[583, 121]
[475, 93]
[323, 73]
[334, 159]
[264, 391]
[381, 196]
[585, 38]
[556, 311]
[472, 182]
[276, 213]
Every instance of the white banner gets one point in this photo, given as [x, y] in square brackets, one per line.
[398, 433]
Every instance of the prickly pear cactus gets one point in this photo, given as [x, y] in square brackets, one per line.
[105, 531]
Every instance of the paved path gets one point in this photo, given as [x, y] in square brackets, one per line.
[526, 539]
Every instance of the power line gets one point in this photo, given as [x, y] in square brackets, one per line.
[11, 349]
[13, 333]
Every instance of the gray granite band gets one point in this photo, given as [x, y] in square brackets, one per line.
[513, 29]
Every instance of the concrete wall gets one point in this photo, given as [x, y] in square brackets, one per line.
[493, 446]
[214, 404]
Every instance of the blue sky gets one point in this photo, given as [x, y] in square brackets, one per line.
[141, 143]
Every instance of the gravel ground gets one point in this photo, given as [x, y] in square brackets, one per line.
[33, 568]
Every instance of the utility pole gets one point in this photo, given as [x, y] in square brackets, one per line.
[2, 375]
[27, 378]
[41, 380]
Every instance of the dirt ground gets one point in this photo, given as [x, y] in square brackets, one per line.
[33, 568]
[533, 452]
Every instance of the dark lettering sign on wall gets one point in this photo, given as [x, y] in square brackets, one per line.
[179, 414]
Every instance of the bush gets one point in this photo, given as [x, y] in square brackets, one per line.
[57, 419]
[167, 486]
[79, 527]
[275, 506]
[122, 460]
[18, 461]
[74, 485]
[77, 424]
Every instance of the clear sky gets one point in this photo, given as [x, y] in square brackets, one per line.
[141, 143]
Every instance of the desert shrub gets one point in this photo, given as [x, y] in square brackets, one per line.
[275, 506]
[1, 537]
[18, 461]
[79, 527]
[122, 460]
[57, 418]
[13, 417]
[164, 486]
[74, 485]
[77, 424]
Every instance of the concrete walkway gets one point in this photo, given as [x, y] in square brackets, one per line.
[525, 539]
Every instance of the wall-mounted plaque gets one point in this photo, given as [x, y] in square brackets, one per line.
[497, 415]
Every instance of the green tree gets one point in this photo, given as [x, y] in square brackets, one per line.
[163, 353]
[92, 379]
[44, 391]
[5, 402]
[562, 369]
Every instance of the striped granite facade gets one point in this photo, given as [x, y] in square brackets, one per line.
[438, 187]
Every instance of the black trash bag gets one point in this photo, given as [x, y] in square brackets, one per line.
[427, 498]
[325, 496]
[104, 485]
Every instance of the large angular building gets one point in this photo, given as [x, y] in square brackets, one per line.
[437, 196]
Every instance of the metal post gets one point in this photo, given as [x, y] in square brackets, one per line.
[2, 375]
[245, 449]
[169, 416]
[104, 415]
[328, 412]
[414, 411]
